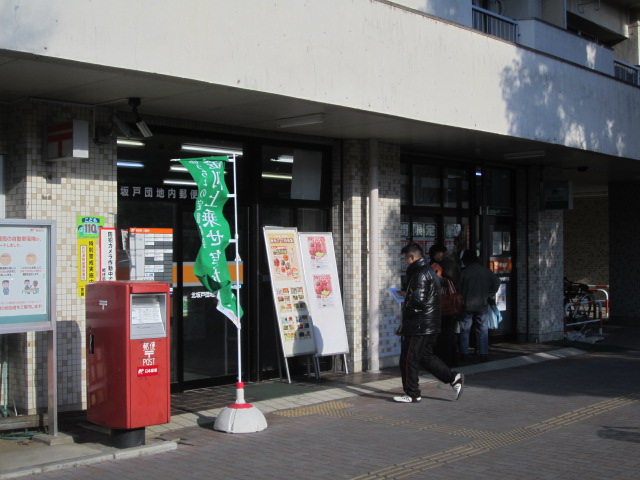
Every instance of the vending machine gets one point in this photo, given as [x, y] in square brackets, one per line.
[128, 365]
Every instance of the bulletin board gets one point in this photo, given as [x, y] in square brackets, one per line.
[289, 291]
[325, 300]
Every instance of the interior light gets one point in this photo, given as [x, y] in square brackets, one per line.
[222, 150]
[125, 142]
[283, 159]
[277, 176]
[178, 168]
[313, 119]
[171, 181]
[128, 164]
[523, 155]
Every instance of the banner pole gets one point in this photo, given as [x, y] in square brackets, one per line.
[239, 417]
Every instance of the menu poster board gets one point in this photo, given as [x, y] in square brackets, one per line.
[26, 258]
[325, 299]
[289, 291]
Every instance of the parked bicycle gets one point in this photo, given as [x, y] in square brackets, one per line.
[580, 306]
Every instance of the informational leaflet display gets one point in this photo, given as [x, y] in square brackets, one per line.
[151, 254]
[325, 299]
[289, 291]
[24, 273]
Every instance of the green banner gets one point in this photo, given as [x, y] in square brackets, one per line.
[211, 263]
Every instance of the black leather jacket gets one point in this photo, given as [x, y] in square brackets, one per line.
[421, 307]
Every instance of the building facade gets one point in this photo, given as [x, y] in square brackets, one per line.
[504, 126]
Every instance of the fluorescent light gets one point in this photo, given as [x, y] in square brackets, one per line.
[171, 181]
[277, 176]
[300, 121]
[178, 168]
[191, 147]
[523, 155]
[128, 164]
[283, 159]
[125, 142]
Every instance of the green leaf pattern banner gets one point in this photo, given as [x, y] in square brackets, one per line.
[211, 266]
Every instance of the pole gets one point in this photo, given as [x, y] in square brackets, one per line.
[374, 253]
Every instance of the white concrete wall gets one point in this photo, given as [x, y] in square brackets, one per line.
[361, 54]
[458, 11]
[555, 41]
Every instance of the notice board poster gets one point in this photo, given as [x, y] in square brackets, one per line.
[88, 231]
[325, 299]
[289, 291]
[25, 274]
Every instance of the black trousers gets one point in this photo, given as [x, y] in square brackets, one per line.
[417, 351]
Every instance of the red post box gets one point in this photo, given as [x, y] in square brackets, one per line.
[128, 369]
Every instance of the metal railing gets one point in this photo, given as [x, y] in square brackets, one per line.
[494, 24]
[626, 72]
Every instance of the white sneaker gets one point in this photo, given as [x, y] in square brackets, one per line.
[458, 385]
[407, 399]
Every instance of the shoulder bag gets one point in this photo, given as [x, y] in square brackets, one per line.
[451, 300]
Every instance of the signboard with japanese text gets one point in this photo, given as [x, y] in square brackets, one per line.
[27, 260]
[138, 192]
[325, 299]
[87, 231]
[289, 291]
[108, 254]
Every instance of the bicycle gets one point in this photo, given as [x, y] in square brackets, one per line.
[580, 307]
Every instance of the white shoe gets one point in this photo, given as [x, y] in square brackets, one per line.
[458, 385]
[407, 399]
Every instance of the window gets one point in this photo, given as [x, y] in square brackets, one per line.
[291, 173]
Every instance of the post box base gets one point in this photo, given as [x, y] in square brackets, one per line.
[122, 438]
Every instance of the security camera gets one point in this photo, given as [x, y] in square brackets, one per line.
[122, 126]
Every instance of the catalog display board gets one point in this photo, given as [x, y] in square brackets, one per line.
[325, 300]
[27, 263]
[289, 291]
[28, 300]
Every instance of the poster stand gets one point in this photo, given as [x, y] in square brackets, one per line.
[28, 260]
[306, 293]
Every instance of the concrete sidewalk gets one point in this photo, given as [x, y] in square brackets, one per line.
[544, 401]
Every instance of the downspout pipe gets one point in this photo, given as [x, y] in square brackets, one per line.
[374, 259]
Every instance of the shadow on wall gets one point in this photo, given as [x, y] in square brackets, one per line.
[545, 103]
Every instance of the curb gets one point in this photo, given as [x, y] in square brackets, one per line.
[77, 462]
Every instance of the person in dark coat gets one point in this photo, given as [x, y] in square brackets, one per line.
[478, 286]
[419, 328]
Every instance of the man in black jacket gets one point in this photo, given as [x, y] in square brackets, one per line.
[420, 327]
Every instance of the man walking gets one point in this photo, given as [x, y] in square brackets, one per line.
[420, 327]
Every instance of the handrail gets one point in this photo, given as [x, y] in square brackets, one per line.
[626, 72]
[494, 24]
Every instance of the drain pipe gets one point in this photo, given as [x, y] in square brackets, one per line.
[374, 254]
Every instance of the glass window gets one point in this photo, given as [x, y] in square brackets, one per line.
[404, 184]
[426, 186]
[498, 187]
[456, 188]
[311, 220]
[289, 173]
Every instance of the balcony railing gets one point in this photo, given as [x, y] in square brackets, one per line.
[494, 24]
[626, 72]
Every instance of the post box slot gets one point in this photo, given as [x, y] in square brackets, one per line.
[148, 315]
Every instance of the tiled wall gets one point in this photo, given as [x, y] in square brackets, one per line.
[586, 241]
[356, 220]
[624, 273]
[540, 266]
[57, 191]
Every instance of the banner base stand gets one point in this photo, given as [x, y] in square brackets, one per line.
[240, 417]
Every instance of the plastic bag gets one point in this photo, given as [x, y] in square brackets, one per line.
[495, 317]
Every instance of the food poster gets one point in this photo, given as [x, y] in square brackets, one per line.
[24, 273]
[289, 291]
[325, 302]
